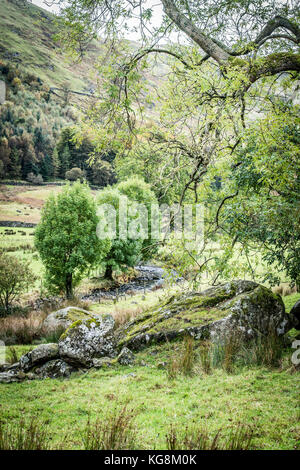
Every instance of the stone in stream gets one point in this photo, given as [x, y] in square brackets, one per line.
[242, 307]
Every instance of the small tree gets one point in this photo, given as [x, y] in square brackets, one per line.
[123, 253]
[55, 162]
[75, 174]
[35, 179]
[66, 238]
[15, 278]
[140, 192]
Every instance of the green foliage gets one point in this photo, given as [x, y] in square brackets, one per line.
[30, 124]
[125, 252]
[75, 174]
[77, 149]
[140, 192]
[15, 278]
[266, 210]
[66, 238]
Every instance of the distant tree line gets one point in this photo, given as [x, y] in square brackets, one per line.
[37, 136]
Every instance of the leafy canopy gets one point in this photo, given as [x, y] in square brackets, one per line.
[66, 237]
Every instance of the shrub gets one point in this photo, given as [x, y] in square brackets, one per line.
[34, 179]
[75, 174]
[15, 278]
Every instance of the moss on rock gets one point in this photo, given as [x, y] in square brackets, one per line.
[238, 304]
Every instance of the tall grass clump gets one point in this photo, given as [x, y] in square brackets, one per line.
[224, 353]
[182, 362]
[115, 431]
[25, 434]
[21, 330]
[197, 438]
[205, 357]
[264, 350]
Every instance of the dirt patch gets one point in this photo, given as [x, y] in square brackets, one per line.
[29, 201]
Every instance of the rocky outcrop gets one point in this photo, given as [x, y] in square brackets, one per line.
[126, 357]
[39, 355]
[62, 319]
[12, 376]
[90, 341]
[54, 369]
[241, 306]
[85, 340]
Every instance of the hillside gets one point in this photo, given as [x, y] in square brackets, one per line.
[27, 40]
[38, 108]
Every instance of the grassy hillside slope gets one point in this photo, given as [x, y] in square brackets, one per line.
[26, 39]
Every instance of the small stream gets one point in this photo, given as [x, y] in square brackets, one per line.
[149, 278]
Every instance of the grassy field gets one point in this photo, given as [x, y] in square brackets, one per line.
[24, 203]
[266, 400]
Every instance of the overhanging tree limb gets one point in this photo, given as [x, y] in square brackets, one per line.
[208, 45]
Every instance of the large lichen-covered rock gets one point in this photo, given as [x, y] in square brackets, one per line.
[39, 355]
[62, 319]
[54, 369]
[88, 339]
[242, 306]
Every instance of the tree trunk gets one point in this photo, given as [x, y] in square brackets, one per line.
[108, 272]
[69, 286]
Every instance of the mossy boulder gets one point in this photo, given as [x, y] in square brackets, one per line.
[87, 339]
[62, 319]
[242, 306]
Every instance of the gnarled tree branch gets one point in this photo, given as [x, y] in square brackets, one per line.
[186, 25]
